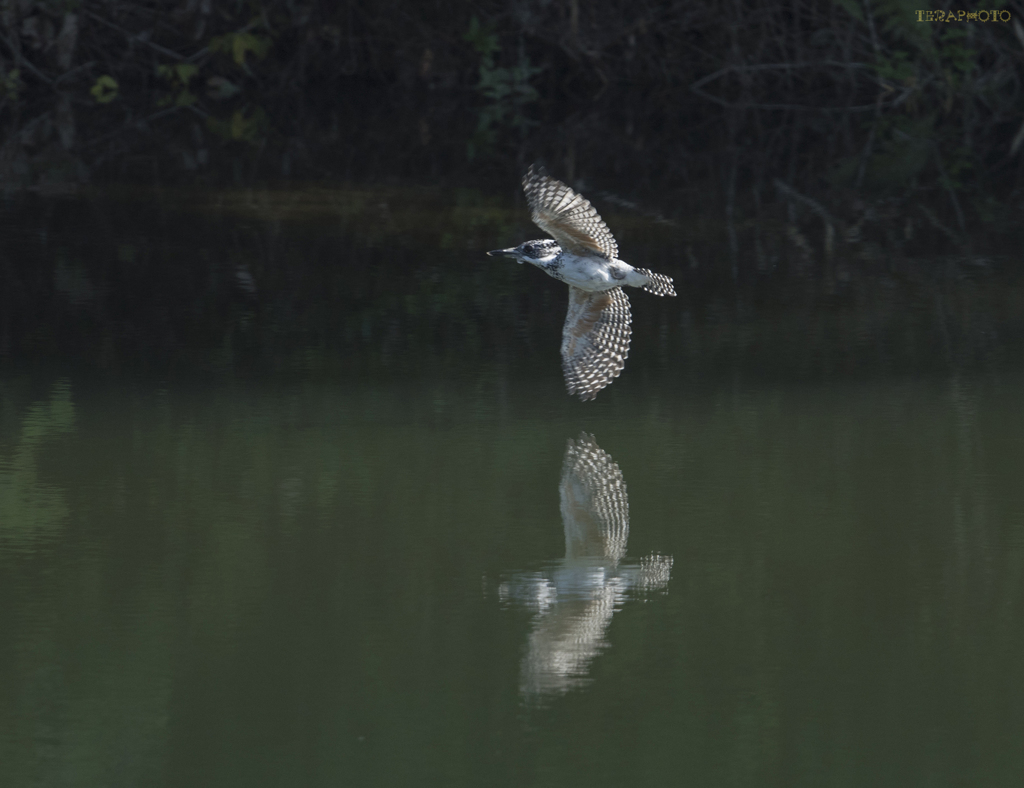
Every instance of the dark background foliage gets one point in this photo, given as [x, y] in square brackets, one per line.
[861, 94]
[819, 146]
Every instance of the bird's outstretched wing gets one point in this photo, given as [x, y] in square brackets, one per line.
[595, 339]
[566, 216]
[595, 508]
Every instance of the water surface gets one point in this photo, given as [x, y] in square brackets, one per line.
[289, 498]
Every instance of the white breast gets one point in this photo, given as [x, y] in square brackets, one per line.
[593, 273]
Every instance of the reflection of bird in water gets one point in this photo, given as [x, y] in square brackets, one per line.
[595, 338]
[575, 599]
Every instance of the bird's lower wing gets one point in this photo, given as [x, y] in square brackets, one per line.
[595, 340]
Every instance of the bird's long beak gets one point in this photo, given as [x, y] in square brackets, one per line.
[506, 253]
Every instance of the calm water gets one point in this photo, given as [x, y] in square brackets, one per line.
[290, 494]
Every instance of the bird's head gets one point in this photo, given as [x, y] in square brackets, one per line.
[530, 252]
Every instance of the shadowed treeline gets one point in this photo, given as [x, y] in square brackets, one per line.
[875, 95]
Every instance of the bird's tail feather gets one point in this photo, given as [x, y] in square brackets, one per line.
[660, 285]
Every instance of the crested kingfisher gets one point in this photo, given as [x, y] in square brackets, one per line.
[583, 254]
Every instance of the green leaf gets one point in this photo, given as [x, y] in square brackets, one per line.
[11, 84]
[248, 42]
[240, 44]
[105, 89]
[483, 39]
[186, 71]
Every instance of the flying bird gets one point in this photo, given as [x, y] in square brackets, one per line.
[584, 255]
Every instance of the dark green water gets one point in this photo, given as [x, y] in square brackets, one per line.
[316, 534]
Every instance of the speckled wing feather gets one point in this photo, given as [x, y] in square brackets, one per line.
[595, 508]
[660, 285]
[595, 339]
[566, 216]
